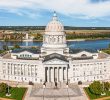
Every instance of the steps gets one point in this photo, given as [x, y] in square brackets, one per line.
[52, 85]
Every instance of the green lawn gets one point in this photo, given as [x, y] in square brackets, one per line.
[16, 93]
[93, 96]
[1, 51]
[106, 50]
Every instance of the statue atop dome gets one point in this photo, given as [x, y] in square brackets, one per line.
[55, 16]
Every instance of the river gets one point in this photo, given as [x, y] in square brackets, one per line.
[90, 44]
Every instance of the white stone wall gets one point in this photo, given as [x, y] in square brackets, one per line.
[89, 70]
[21, 70]
[34, 70]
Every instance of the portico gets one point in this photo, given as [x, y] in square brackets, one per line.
[56, 74]
[56, 68]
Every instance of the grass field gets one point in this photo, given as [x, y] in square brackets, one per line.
[16, 93]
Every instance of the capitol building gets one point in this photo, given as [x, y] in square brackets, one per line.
[54, 61]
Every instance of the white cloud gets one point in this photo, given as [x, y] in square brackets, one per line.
[82, 8]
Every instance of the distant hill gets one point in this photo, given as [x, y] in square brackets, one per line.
[20, 28]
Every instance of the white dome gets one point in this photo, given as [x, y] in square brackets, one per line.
[54, 25]
[54, 36]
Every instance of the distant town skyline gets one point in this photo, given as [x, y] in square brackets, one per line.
[80, 13]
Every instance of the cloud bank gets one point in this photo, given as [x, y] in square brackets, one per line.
[83, 9]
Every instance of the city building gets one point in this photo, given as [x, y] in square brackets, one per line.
[54, 61]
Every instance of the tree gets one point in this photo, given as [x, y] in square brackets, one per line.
[5, 47]
[109, 46]
[38, 36]
[3, 88]
[96, 88]
[16, 46]
[106, 86]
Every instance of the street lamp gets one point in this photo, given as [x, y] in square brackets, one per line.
[8, 92]
[103, 93]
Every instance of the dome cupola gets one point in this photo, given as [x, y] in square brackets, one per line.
[54, 25]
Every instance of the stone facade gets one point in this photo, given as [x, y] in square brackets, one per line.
[55, 62]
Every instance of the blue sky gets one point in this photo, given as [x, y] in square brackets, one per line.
[70, 12]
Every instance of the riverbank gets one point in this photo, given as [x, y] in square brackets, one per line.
[21, 41]
[77, 40]
[88, 39]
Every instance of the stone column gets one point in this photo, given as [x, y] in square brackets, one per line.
[57, 74]
[48, 75]
[66, 74]
[61, 74]
[45, 74]
[52, 74]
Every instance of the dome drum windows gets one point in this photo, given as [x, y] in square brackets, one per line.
[54, 39]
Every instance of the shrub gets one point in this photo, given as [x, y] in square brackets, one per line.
[3, 87]
[96, 88]
[106, 86]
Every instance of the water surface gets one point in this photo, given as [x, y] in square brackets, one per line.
[92, 44]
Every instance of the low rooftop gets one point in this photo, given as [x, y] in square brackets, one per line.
[32, 50]
[78, 50]
[103, 55]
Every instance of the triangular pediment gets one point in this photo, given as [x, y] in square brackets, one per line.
[55, 61]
